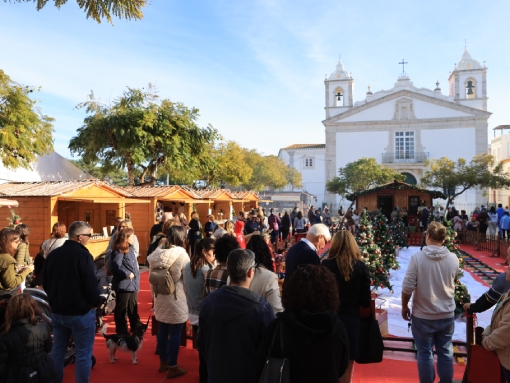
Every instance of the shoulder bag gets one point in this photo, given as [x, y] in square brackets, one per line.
[371, 345]
[276, 370]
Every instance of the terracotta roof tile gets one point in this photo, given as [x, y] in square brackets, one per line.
[53, 188]
[306, 146]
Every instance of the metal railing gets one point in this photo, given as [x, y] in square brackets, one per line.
[398, 157]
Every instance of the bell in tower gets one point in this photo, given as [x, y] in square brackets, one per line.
[469, 88]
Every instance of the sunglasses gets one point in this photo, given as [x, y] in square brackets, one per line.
[86, 235]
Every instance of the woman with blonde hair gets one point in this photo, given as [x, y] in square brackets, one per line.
[228, 228]
[353, 280]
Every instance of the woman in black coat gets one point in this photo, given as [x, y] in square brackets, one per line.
[353, 281]
[25, 342]
[285, 225]
[312, 336]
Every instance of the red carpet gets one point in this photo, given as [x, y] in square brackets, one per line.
[389, 371]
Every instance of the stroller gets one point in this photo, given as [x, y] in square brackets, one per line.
[105, 290]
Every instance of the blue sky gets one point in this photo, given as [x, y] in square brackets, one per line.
[255, 69]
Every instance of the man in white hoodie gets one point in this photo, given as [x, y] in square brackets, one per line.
[430, 278]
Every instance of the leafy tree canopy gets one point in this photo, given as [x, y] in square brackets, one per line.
[24, 131]
[100, 9]
[230, 165]
[144, 135]
[455, 177]
[360, 175]
[269, 171]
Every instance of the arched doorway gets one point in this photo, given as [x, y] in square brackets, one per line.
[410, 179]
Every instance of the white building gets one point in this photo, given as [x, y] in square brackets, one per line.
[401, 127]
[309, 159]
[500, 150]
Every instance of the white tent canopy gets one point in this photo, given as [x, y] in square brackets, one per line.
[50, 167]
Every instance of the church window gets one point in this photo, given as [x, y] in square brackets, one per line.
[404, 145]
[309, 163]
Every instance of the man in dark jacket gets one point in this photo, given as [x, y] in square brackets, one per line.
[69, 279]
[306, 251]
[232, 322]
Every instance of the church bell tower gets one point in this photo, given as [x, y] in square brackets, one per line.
[468, 83]
[339, 88]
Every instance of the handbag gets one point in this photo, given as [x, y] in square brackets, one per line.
[371, 345]
[154, 325]
[276, 370]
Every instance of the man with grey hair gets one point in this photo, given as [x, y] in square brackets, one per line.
[69, 279]
[306, 251]
[232, 321]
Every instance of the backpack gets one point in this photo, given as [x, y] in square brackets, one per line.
[162, 282]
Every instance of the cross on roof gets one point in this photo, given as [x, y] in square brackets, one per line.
[403, 63]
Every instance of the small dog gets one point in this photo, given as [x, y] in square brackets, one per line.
[131, 343]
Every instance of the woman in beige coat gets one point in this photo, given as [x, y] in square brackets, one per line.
[496, 336]
[171, 310]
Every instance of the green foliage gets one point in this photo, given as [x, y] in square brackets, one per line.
[269, 171]
[24, 131]
[230, 165]
[398, 231]
[371, 255]
[143, 134]
[461, 292]
[385, 241]
[100, 9]
[294, 177]
[14, 219]
[360, 175]
[456, 177]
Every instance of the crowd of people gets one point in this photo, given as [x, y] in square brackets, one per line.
[229, 289]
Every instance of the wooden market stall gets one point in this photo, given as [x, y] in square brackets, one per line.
[395, 194]
[42, 204]
[218, 202]
[173, 198]
[244, 201]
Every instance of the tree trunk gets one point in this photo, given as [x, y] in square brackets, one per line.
[129, 165]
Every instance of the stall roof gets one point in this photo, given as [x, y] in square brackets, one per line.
[249, 195]
[397, 185]
[52, 189]
[173, 192]
[215, 194]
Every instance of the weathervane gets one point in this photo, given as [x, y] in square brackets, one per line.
[403, 63]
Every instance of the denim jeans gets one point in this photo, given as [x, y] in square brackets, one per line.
[83, 330]
[169, 349]
[428, 333]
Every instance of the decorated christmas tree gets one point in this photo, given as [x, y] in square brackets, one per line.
[461, 292]
[398, 231]
[371, 255]
[385, 242]
[14, 219]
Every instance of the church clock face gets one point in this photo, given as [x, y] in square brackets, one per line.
[338, 76]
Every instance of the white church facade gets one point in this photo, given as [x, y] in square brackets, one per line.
[401, 127]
